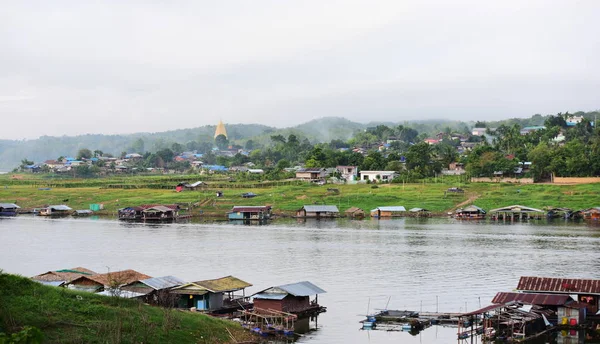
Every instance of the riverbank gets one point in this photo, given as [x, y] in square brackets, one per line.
[68, 316]
[287, 198]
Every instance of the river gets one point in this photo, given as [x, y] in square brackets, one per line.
[416, 264]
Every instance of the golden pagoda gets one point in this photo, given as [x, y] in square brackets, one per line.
[220, 129]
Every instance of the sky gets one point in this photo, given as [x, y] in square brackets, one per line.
[77, 67]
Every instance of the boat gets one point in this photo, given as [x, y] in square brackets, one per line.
[471, 212]
[84, 212]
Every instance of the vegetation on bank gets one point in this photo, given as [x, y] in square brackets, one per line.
[68, 316]
[288, 196]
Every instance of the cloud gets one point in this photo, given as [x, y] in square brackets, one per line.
[134, 66]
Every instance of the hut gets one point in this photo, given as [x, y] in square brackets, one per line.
[586, 291]
[318, 211]
[250, 213]
[8, 209]
[60, 277]
[314, 173]
[56, 210]
[471, 212]
[130, 213]
[557, 306]
[390, 211]
[553, 213]
[419, 212]
[212, 295]
[591, 213]
[291, 298]
[189, 187]
[111, 281]
[355, 213]
[156, 290]
[516, 212]
[160, 213]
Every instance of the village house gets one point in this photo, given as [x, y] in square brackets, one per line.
[389, 211]
[60, 277]
[586, 291]
[573, 120]
[527, 130]
[250, 213]
[591, 213]
[378, 176]
[318, 211]
[560, 306]
[478, 131]
[155, 290]
[8, 209]
[313, 173]
[211, 295]
[291, 298]
[108, 281]
[348, 173]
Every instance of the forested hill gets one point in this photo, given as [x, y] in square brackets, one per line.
[51, 147]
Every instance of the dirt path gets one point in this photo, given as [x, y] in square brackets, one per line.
[469, 200]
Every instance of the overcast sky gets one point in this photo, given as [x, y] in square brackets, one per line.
[75, 67]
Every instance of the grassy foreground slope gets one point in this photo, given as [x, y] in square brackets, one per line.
[286, 198]
[67, 316]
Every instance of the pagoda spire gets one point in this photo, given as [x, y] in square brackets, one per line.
[220, 129]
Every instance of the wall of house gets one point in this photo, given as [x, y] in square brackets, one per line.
[295, 304]
[215, 300]
[268, 304]
[576, 180]
[502, 180]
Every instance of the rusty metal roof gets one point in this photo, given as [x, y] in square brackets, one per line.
[559, 285]
[533, 298]
[116, 278]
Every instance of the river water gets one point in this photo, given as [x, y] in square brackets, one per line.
[415, 264]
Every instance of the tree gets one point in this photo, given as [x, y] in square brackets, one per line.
[222, 142]
[98, 153]
[84, 153]
[138, 146]
[177, 148]
[249, 145]
[24, 163]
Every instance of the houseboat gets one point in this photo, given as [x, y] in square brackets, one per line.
[318, 211]
[56, 210]
[215, 295]
[591, 214]
[250, 213]
[355, 213]
[471, 212]
[291, 298]
[585, 291]
[390, 211]
[419, 212]
[8, 209]
[516, 212]
[151, 213]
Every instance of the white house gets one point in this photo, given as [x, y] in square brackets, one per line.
[384, 176]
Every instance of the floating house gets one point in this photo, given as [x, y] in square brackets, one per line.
[318, 211]
[586, 291]
[516, 212]
[83, 212]
[212, 295]
[56, 210]
[130, 213]
[565, 213]
[471, 212]
[557, 306]
[8, 209]
[155, 290]
[291, 298]
[60, 277]
[391, 211]
[108, 281]
[419, 212]
[160, 213]
[355, 213]
[591, 213]
[250, 213]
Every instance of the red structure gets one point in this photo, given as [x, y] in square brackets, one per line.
[291, 298]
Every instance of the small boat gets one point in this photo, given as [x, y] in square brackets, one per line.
[8, 209]
[84, 212]
[55, 210]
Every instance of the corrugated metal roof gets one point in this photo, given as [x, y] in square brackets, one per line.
[158, 283]
[416, 210]
[244, 208]
[60, 207]
[270, 296]
[559, 285]
[471, 208]
[517, 208]
[391, 208]
[121, 293]
[9, 206]
[51, 283]
[115, 278]
[321, 208]
[533, 299]
[159, 208]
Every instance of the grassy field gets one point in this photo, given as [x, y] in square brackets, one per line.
[66, 316]
[287, 197]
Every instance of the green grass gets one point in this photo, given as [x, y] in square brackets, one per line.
[287, 197]
[67, 316]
